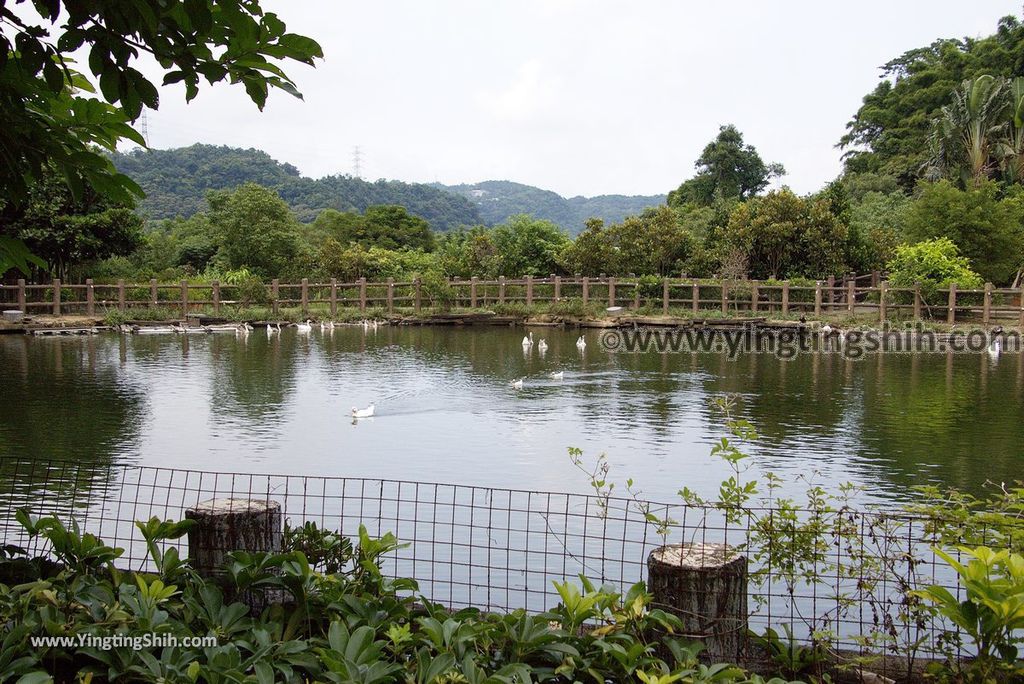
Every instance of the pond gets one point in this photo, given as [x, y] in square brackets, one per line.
[446, 411]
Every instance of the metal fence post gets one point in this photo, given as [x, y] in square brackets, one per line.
[90, 298]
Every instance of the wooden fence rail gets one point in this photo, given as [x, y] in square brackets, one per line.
[845, 296]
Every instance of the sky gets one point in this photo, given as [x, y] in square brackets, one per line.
[583, 97]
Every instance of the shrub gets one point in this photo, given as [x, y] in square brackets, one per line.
[935, 264]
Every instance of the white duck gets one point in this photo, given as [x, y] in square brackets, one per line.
[273, 328]
[995, 348]
[581, 343]
[304, 327]
[560, 375]
[517, 384]
[542, 346]
[363, 413]
[527, 341]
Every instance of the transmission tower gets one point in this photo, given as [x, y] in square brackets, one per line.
[357, 157]
[143, 124]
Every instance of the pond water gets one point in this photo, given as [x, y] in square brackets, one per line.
[445, 410]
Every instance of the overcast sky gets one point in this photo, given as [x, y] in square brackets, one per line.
[579, 97]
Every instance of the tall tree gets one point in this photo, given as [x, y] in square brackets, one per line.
[256, 229]
[727, 168]
[968, 136]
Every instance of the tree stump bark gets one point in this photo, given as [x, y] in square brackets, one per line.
[705, 585]
[225, 525]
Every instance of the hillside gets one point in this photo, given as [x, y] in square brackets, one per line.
[497, 200]
[176, 182]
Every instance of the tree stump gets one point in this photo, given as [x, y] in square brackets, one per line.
[705, 585]
[225, 525]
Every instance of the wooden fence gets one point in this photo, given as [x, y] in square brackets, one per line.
[829, 297]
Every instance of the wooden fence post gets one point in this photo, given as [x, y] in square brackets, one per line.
[1020, 301]
[419, 293]
[304, 296]
[586, 290]
[153, 300]
[334, 297]
[56, 296]
[636, 296]
[785, 298]
[472, 292]
[664, 297]
[216, 298]
[951, 310]
[725, 298]
[917, 301]
[501, 289]
[611, 291]
[90, 298]
[362, 293]
[986, 307]
[753, 297]
[558, 288]
[21, 295]
[121, 303]
[851, 295]
[831, 291]
[184, 299]
[883, 291]
[875, 278]
[391, 295]
[817, 298]
[696, 296]
[275, 290]
[529, 290]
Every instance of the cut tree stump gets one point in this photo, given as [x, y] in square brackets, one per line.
[705, 585]
[225, 525]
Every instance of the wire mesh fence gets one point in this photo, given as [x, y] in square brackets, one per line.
[844, 572]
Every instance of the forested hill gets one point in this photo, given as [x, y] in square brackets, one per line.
[497, 200]
[176, 182]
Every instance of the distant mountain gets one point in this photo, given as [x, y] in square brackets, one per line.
[497, 200]
[176, 182]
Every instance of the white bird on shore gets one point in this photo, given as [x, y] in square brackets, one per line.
[558, 376]
[363, 413]
[517, 384]
[581, 343]
[304, 327]
[542, 346]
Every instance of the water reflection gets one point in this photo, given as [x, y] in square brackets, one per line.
[446, 411]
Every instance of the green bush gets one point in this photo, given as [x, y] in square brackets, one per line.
[935, 264]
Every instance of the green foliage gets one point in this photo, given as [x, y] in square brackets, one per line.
[54, 116]
[66, 232]
[387, 227]
[344, 622]
[528, 246]
[726, 169]
[498, 201]
[992, 614]
[935, 264]
[15, 254]
[889, 133]
[782, 235]
[986, 227]
[255, 228]
[176, 182]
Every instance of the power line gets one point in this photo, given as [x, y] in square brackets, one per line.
[143, 126]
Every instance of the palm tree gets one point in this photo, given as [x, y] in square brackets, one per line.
[1012, 151]
[968, 135]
